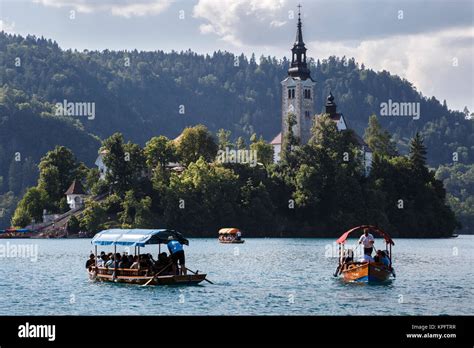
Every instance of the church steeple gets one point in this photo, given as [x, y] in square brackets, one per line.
[298, 67]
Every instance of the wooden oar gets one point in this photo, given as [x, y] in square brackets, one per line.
[156, 275]
[207, 280]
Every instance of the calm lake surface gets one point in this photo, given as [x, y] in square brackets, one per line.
[260, 277]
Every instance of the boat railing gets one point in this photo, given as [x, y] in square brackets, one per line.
[127, 272]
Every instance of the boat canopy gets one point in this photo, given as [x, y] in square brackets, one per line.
[136, 237]
[229, 231]
[388, 240]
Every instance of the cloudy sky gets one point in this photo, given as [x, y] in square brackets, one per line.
[429, 42]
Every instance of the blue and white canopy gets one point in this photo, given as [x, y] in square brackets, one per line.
[136, 237]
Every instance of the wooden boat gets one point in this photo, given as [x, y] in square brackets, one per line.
[364, 271]
[135, 276]
[138, 238]
[230, 236]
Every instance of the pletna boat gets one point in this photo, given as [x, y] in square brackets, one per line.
[230, 236]
[365, 271]
[138, 238]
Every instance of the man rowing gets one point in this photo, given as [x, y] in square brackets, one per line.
[367, 240]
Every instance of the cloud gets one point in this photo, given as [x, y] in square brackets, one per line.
[437, 63]
[239, 21]
[251, 22]
[7, 26]
[123, 8]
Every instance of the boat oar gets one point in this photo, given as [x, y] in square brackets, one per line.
[156, 275]
[207, 280]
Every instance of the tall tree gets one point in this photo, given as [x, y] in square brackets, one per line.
[196, 142]
[159, 151]
[378, 139]
[289, 142]
[58, 169]
[418, 152]
[125, 164]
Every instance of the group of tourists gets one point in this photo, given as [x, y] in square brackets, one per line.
[165, 264]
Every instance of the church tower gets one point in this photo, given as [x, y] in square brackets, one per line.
[298, 90]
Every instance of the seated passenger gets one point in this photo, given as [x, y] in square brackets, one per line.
[124, 262]
[135, 262]
[163, 261]
[384, 258]
[91, 261]
[110, 262]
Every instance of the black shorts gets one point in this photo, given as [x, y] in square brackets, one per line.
[178, 256]
[368, 251]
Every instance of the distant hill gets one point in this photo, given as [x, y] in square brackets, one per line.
[143, 94]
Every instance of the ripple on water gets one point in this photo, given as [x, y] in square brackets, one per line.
[260, 277]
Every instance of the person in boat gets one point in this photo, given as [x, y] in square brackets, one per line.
[135, 263]
[162, 263]
[348, 256]
[367, 240]
[177, 254]
[382, 258]
[91, 261]
[238, 235]
[100, 260]
[124, 263]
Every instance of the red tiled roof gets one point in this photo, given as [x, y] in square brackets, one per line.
[75, 189]
[276, 140]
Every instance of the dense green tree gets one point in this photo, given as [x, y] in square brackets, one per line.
[125, 164]
[30, 207]
[93, 217]
[378, 139]
[289, 142]
[196, 142]
[223, 139]
[159, 151]
[263, 150]
[58, 169]
[73, 225]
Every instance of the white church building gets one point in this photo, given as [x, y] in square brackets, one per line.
[298, 90]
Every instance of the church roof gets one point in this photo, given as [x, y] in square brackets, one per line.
[276, 140]
[75, 189]
[298, 67]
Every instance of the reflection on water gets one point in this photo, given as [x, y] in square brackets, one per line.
[260, 277]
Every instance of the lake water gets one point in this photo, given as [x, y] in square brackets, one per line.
[260, 277]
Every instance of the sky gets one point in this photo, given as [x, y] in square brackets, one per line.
[428, 42]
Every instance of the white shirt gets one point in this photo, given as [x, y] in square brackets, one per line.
[367, 240]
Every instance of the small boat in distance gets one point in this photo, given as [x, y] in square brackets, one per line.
[230, 236]
[364, 271]
[138, 238]
[16, 233]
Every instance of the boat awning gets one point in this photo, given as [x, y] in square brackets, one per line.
[388, 240]
[228, 231]
[136, 237]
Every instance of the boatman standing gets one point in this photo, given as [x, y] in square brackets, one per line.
[368, 241]
[177, 254]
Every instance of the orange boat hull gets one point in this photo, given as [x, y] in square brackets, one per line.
[366, 272]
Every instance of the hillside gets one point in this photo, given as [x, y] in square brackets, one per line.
[144, 94]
